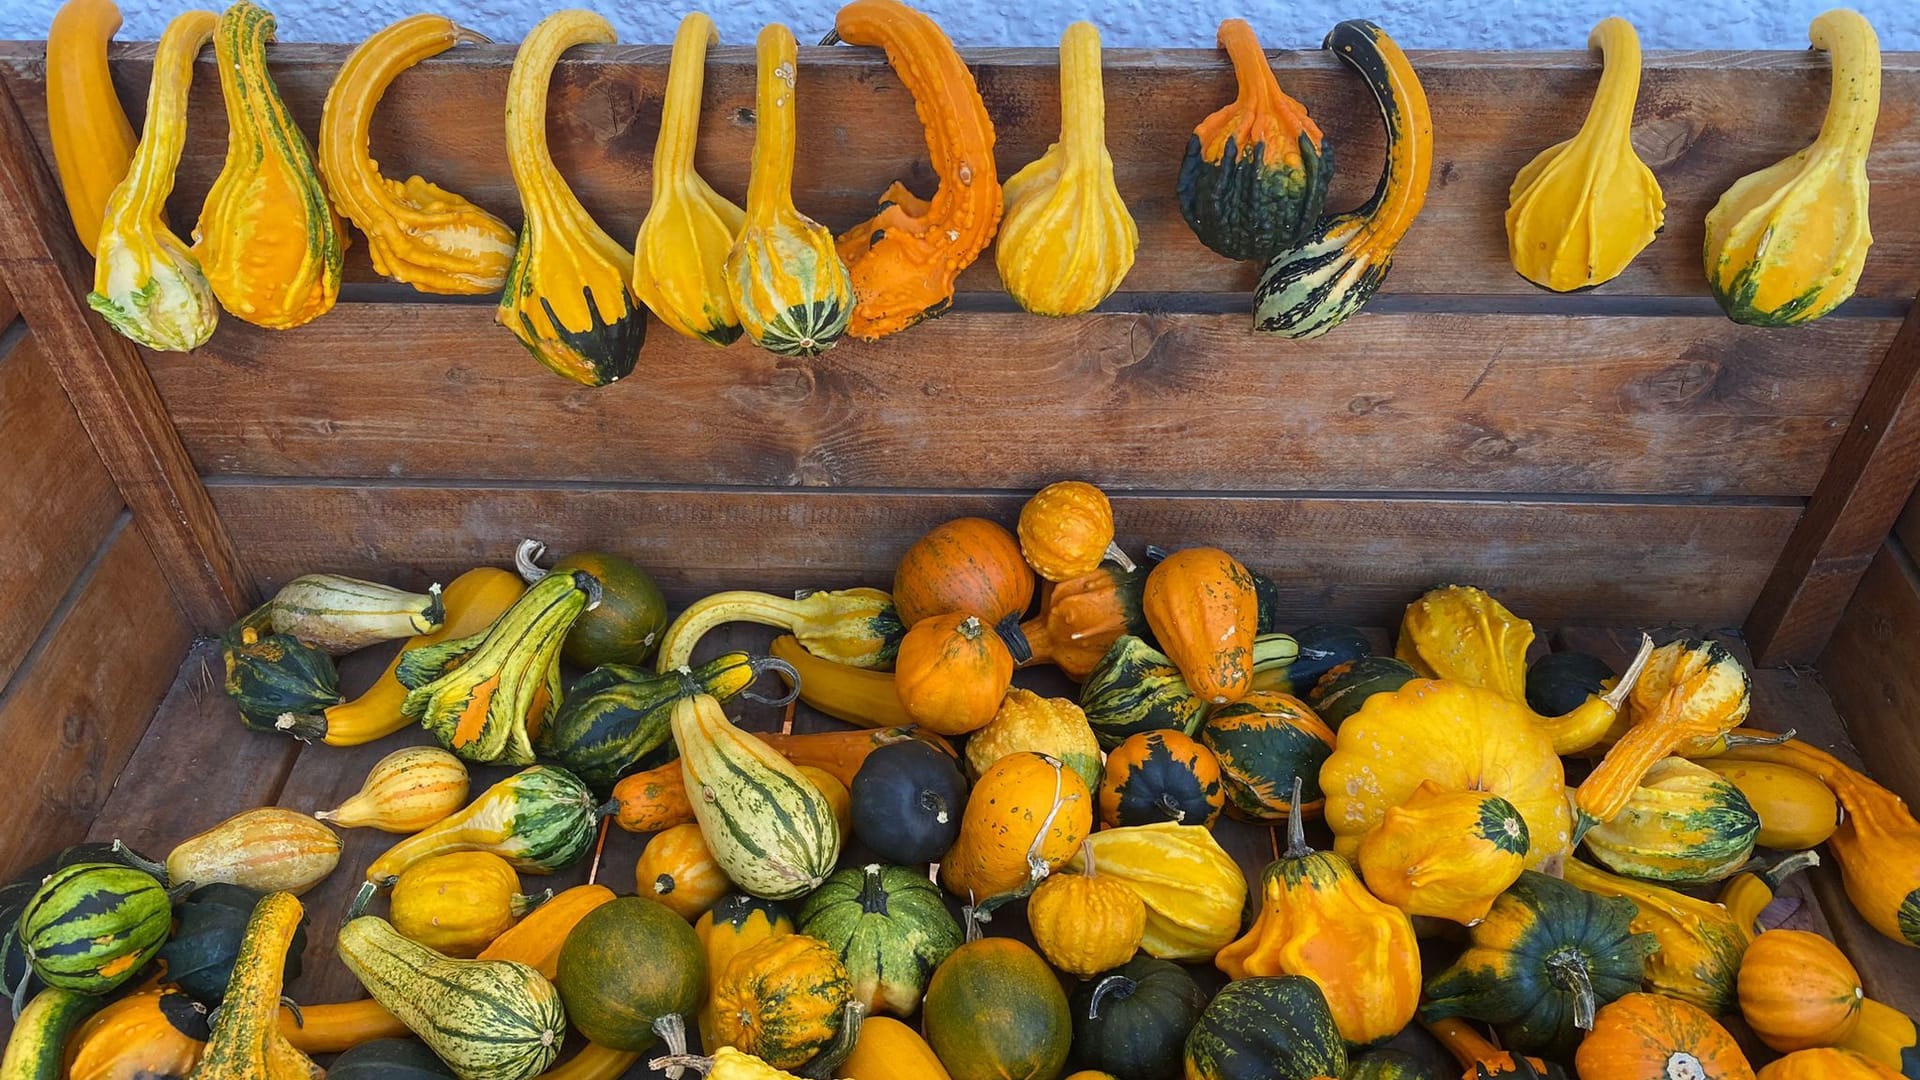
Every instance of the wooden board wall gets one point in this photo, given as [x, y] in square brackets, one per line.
[1872, 665]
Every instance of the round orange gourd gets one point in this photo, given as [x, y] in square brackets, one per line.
[676, 869]
[969, 565]
[1066, 531]
[951, 673]
[1797, 990]
[1654, 1037]
[1026, 807]
[1826, 1064]
[1202, 607]
[1084, 923]
[782, 1000]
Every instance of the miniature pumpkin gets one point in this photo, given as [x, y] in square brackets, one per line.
[890, 926]
[154, 1033]
[1264, 742]
[782, 1000]
[1193, 890]
[908, 799]
[1798, 991]
[1651, 1037]
[995, 1011]
[1084, 923]
[1133, 1021]
[1446, 854]
[1201, 605]
[968, 565]
[676, 869]
[1082, 617]
[1066, 529]
[732, 926]
[1161, 776]
[1684, 824]
[905, 258]
[1274, 1028]
[1135, 688]
[952, 673]
[1028, 814]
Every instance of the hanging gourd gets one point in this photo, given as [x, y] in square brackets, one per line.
[680, 255]
[146, 283]
[92, 139]
[1786, 244]
[1335, 269]
[1067, 240]
[268, 239]
[905, 258]
[417, 232]
[566, 296]
[1580, 211]
[1255, 174]
[785, 280]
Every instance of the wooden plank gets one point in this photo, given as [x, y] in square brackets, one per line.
[1869, 669]
[1867, 484]
[1907, 528]
[74, 713]
[1393, 402]
[858, 131]
[101, 372]
[1354, 559]
[56, 504]
[9, 310]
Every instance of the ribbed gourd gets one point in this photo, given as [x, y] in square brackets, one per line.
[1786, 244]
[680, 254]
[1684, 824]
[1580, 211]
[92, 139]
[417, 232]
[1338, 266]
[786, 282]
[1445, 854]
[268, 239]
[1066, 239]
[566, 296]
[146, 283]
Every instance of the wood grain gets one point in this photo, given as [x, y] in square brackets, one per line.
[1907, 528]
[56, 504]
[1869, 667]
[1696, 127]
[1169, 402]
[73, 715]
[9, 310]
[46, 271]
[1867, 484]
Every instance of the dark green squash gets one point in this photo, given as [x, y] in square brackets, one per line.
[1136, 688]
[280, 683]
[995, 1011]
[91, 927]
[624, 627]
[616, 715]
[210, 924]
[907, 802]
[1342, 691]
[1264, 742]
[626, 967]
[1274, 1028]
[1161, 776]
[388, 1059]
[1323, 647]
[16, 982]
[1390, 1064]
[890, 926]
[1547, 956]
[1561, 682]
[1133, 1021]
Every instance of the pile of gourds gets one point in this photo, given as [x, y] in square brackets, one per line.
[801, 896]
[1784, 245]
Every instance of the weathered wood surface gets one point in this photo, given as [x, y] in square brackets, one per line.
[9, 310]
[1704, 120]
[1866, 486]
[49, 276]
[1872, 669]
[1907, 528]
[1354, 559]
[73, 715]
[56, 501]
[1168, 402]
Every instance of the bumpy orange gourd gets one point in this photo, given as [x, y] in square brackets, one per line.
[1066, 531]
[92, 138]
[152, 1034]
[1651, 1037]
[1202, 607]
[1084, 923]
[951, 673]
[1446, 854]
[1798, 991]
[676, 869]
[905, 258]
[1024, 818]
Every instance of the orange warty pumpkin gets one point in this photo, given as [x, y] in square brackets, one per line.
[1066, 531]
[1202, 607]
[951, 673]
[969, 565]
[1654, 1037]
[1026, 817]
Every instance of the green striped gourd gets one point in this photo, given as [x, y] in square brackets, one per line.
[487, 1019]
[343, 614]
[766, 824]
[1684, 824]
[37, 1049]
[91, 926]
[616, 715]
[1276, 1027]
[890, 926]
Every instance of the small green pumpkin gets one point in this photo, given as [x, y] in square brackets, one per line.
[890, 926]
[212, 922]
[1684, 824]
[627, 966]
[1263, 742]
[1136, 688]
[388, 1059]
[1342, 691]
[91, 927]
[995, 1011]
[17, 983]
[1132, 1022]
[625, 627]
[1271, 1028]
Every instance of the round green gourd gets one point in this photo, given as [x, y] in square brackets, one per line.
[628, 964]
[1342, 691]
[15, 982]
[92, 926]
[995, 1011]
[890, 926]
[1392, 1065]
[211, 922]
[626, 627]
[388, 1059]
[1276, 1028]
[1133, 1021]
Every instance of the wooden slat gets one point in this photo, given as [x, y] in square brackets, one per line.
[1866, 485]
[1392, 402]
[56, 502]
[858, 132]
[73, 715]
[1870, 669]
[102, 374]
[1907, 528]
[1348, 558]
[9, 310]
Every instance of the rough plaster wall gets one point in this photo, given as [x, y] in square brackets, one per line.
[1427, 24]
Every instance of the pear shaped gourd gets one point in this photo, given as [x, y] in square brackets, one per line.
[1786, 244]
[1580, 211]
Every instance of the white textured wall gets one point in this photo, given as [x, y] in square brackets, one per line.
[1429, 24]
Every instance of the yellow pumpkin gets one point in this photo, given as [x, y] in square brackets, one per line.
[1446, 854]
[1085, 923]
[1027, 815]
[676, 869]
[460, 902]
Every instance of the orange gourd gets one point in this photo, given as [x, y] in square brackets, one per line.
[1825, 1064]
[1480, 1058]
[536, 939]
[1445, 854]
[1798, 991]
[1202, 607]
[1066, 531]
[969, 565]
[676, 869]
[1082, 617]
[1084, 923]
[92, 139]
[1025, 817]
[951, 673]
[1653, 1037]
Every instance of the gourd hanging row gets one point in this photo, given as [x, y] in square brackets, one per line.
[1784, 245]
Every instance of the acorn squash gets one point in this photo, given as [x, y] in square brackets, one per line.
[1267, 1028]
[1161, 776]
[245, 1042]
[209, 926]
[908, 799]
[1343, 690]
[1132, 1022]
[891, 928]
[624, 627]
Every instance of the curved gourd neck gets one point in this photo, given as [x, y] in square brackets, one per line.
[1612, 113]
[1083, 103]
[1402, 190]
[241, 45]
[680, 116]
[770, 186]
[364, 79]
[540, 185]
[1258, 88]
[150, 179]
[1853, 104]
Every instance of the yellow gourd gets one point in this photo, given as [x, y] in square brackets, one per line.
[268, 239]
[566, 296]
[1066, 239]
[787, 284]
[457, 904]
[1193, 889]
[1446, 854]
[146, 282]
[680, 255]
[408, 790]
[1579, 212]
[417, 233]
[246, 1042]
[92, 139]
[726, 1064]
[1084, 923]
[1796, 810]
[1786, 244]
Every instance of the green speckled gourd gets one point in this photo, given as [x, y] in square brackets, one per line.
[91, 926]
[1272, 1028]
[1136, 688]
[280, 683]
[891, 928]
[616, 715]
[1685, 824]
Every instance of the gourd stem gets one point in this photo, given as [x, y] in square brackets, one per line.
[873, 897]
[1296, 825]
[770, 183]
[672, 1064]
[521, 903]
[1789, 866]
[1570, 970]
[680, 115]
[1258, 88]
[1114, 552]
[1853, 103]
[133, 859]
[1086, 855]
[763, 664]
[1612, 112]
[1015, 639]
[1083, 104]
[1623, 688]
[1735, 738]
[361, 899]
[672, 1030]
[149, 178]
[1173, 809]
[1112, 986]
[523, 561]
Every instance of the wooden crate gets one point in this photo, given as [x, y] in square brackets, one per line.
[1615, 459]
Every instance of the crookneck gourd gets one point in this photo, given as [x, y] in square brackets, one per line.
[1336, 268]
[786, 282]
[1579, 212]
[1067, 240]
[268, 239]
[1786, 244]
[92, 139]
[1255, 174]
[146, 283]
[417, 232]
[905, 258]
[566, 296]
[680, 254]
[856, 627]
